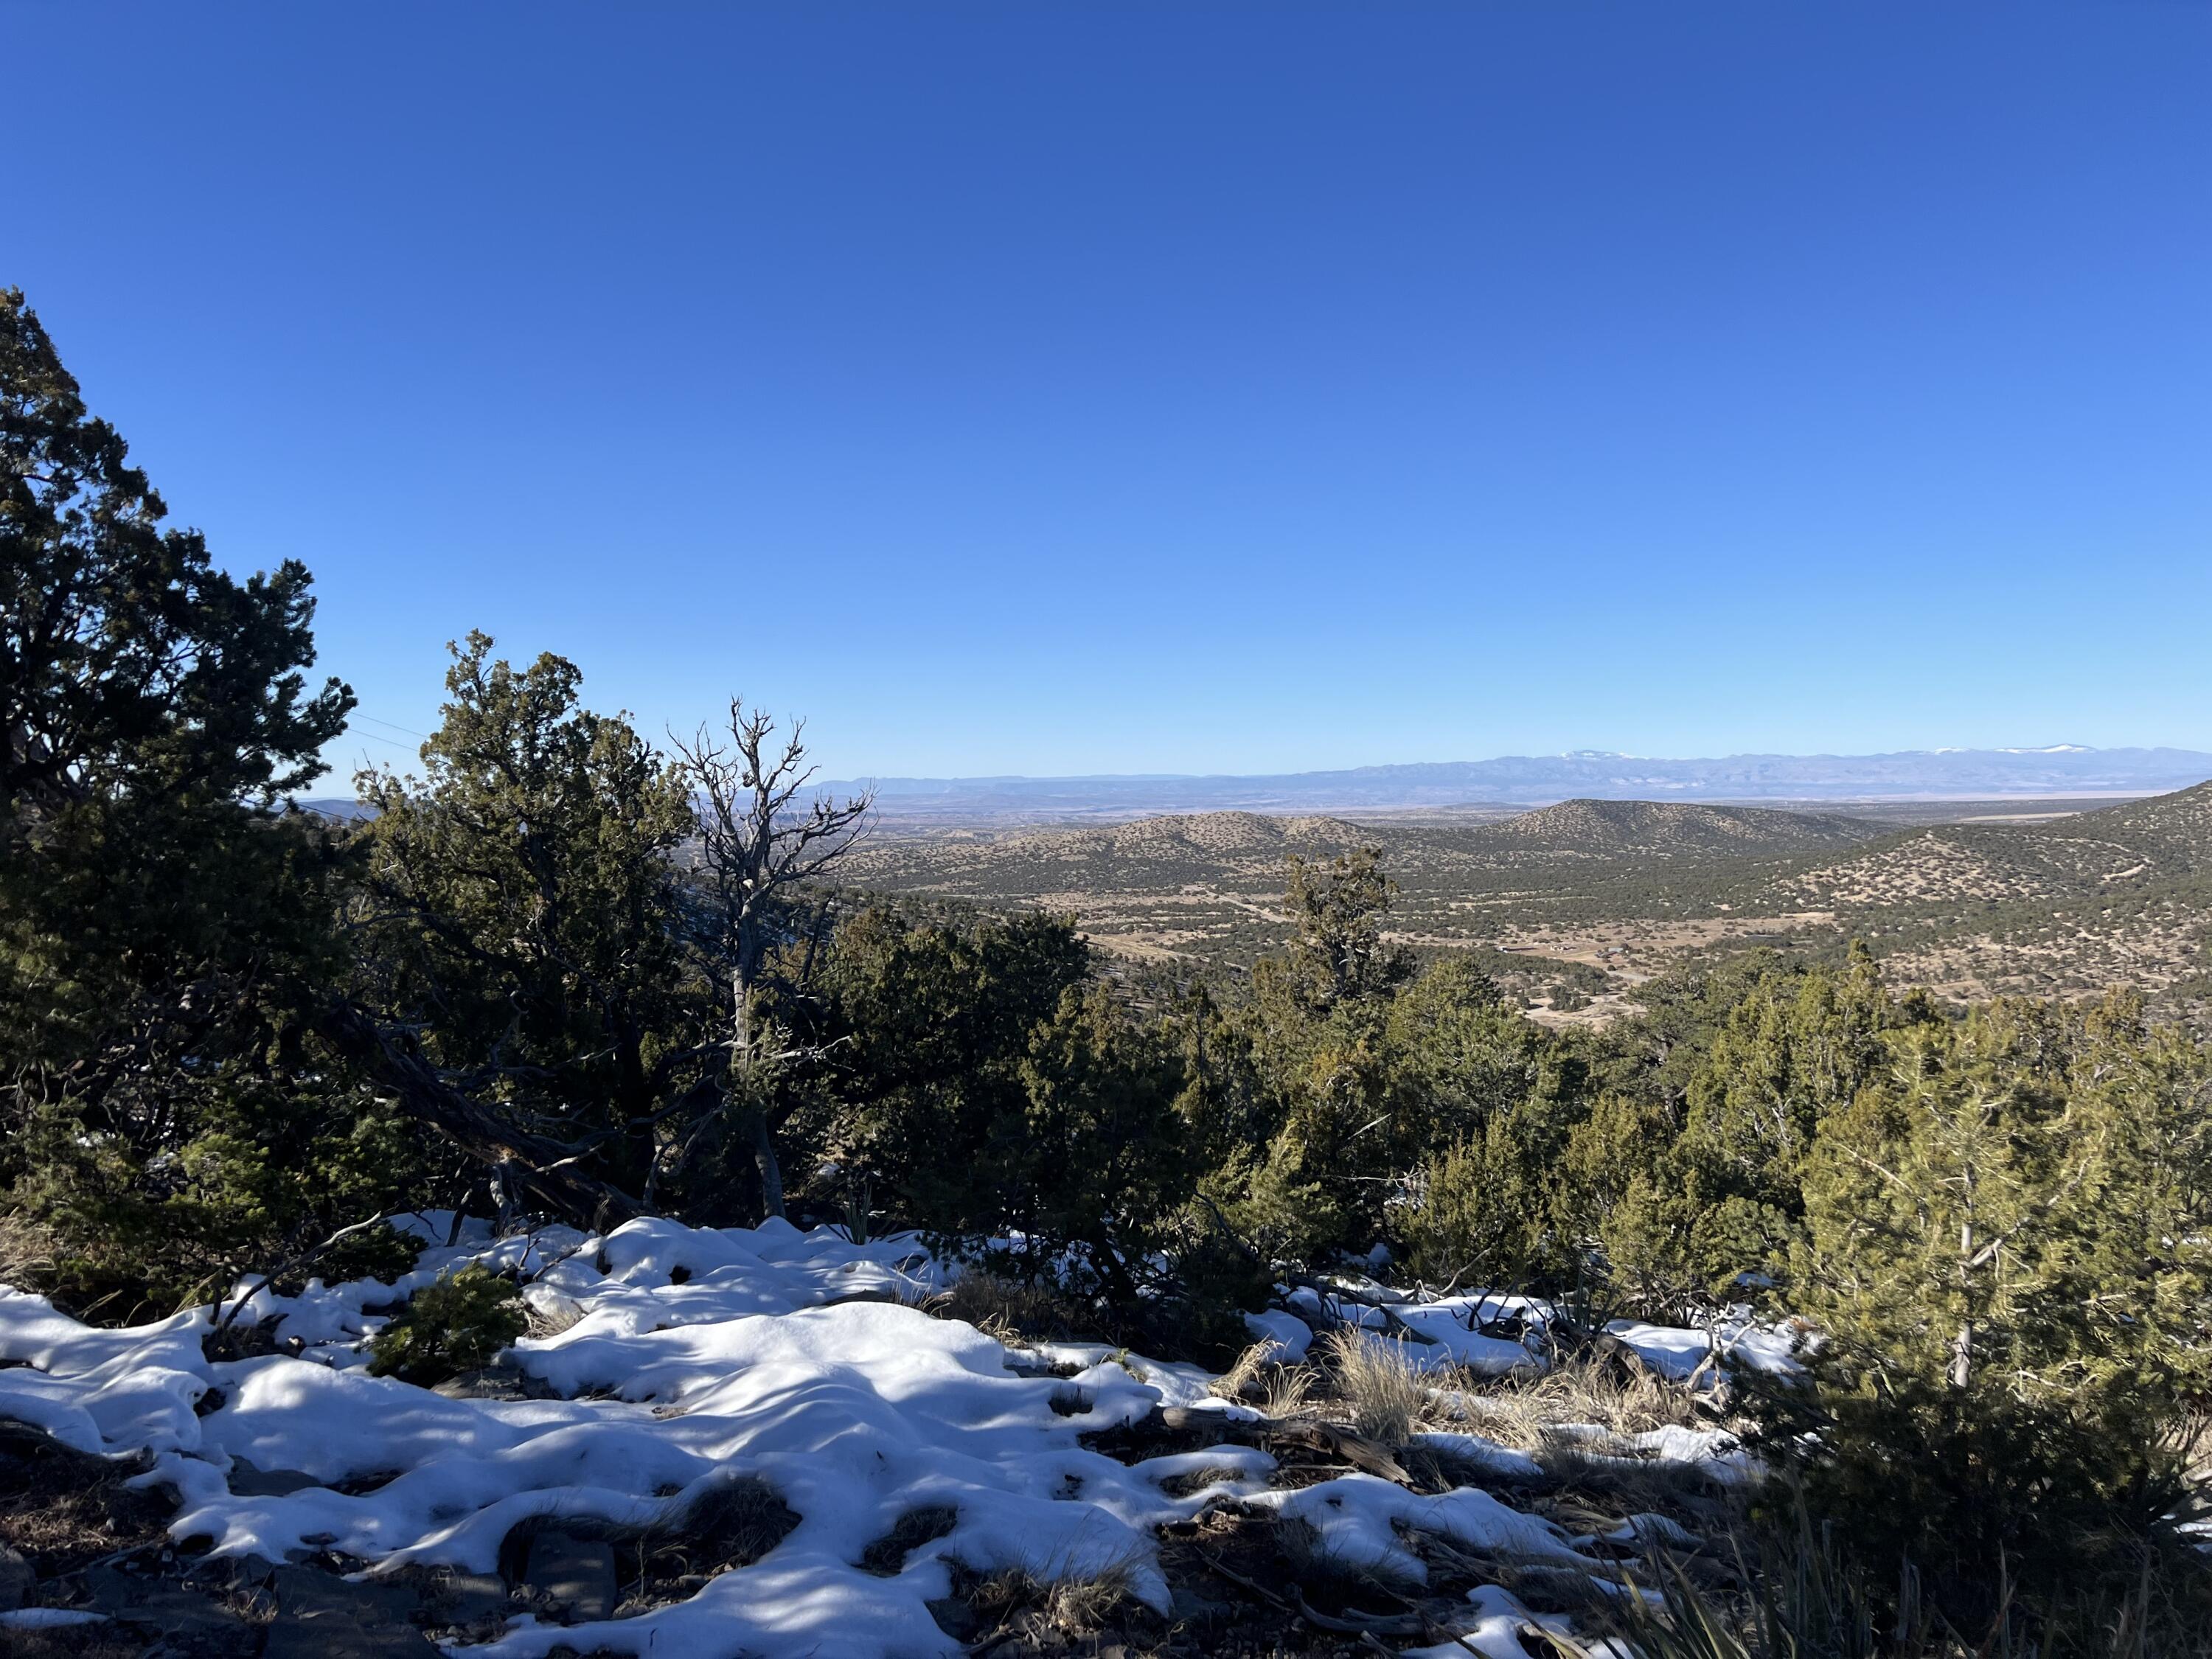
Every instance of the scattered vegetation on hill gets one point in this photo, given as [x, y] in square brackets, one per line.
[1593, 898]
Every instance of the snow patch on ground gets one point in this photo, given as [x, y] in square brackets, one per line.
[1355, 1518]
[1738, 1339]
[694, 1357]
[1495, 1630]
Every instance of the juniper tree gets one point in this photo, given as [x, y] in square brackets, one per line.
[1483, 1101]
[2005, 1255]
[925, 1026]
[165, 934]
[1313, 1036]
[1705, 1182]
[517, 918]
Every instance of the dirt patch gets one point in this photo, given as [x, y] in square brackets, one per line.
[887, 1555]
[64, 1510]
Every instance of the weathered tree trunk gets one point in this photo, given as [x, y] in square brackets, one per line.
[771, 1172]
[525, 1163]
[744, 1076]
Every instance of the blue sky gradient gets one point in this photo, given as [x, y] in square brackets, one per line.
[1070, 389]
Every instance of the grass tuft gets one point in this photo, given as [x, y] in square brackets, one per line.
[1376, 1379]
[1525, 1412]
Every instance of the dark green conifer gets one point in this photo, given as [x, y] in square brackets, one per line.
[165, 935]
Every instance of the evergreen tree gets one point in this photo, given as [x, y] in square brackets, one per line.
[165, 935]
[1772, 1056]
[1098, 1160]
[518, 911]
[2005, 1254]
[1338, 955]
[1483, 1101]
[921, 1105]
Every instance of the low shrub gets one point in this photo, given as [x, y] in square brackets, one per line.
[456, 1325]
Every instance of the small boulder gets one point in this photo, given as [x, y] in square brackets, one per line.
[303, 1591]
[500, 1380]
[177, 1611]
[453, 1597]
[575, 1576]
[334, 1635]
[16, 1580]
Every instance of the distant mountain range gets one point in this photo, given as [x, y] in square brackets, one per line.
[1527, 780]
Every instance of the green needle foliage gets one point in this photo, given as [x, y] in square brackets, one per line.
[519, 906]
[168, 1116]
[2006, 1253]
[458, 1324]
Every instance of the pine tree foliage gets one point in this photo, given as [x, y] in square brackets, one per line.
[2005, 1256]
[169, 1115]
[518, 907]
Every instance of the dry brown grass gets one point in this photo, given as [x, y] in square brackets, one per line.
[27, 1251]
[887, 1555]
[1527, 1413]
[64, 1509]
[1287, 1390]
[1001, 1308]
[730, 1524]
[1262, 1378]
[550, 1319]
[1377, 1380]
[1068, 1604]
[1247, 1369]
[1316, 1566]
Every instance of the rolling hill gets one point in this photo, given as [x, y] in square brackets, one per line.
[2123, 895]
[1672, 829]
[1597, 894]
[1205, 890]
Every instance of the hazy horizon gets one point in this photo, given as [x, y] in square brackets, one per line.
[1077, 390]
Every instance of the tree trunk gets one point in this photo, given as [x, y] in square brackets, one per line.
[527, 1164]
[771, 1172]
[747, 1088]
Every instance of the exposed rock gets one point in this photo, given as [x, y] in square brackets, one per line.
[500, 1380]
[17, 1579]
[575, 1576]
[334, 1635]
[246, 1482]
[453, 1597]
[303, 1591]
[166, 1607]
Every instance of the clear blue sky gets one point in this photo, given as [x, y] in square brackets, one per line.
[1061, 388]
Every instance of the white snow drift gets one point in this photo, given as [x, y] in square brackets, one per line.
[697, 1357]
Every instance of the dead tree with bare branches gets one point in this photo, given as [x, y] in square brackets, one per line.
[763, 833]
